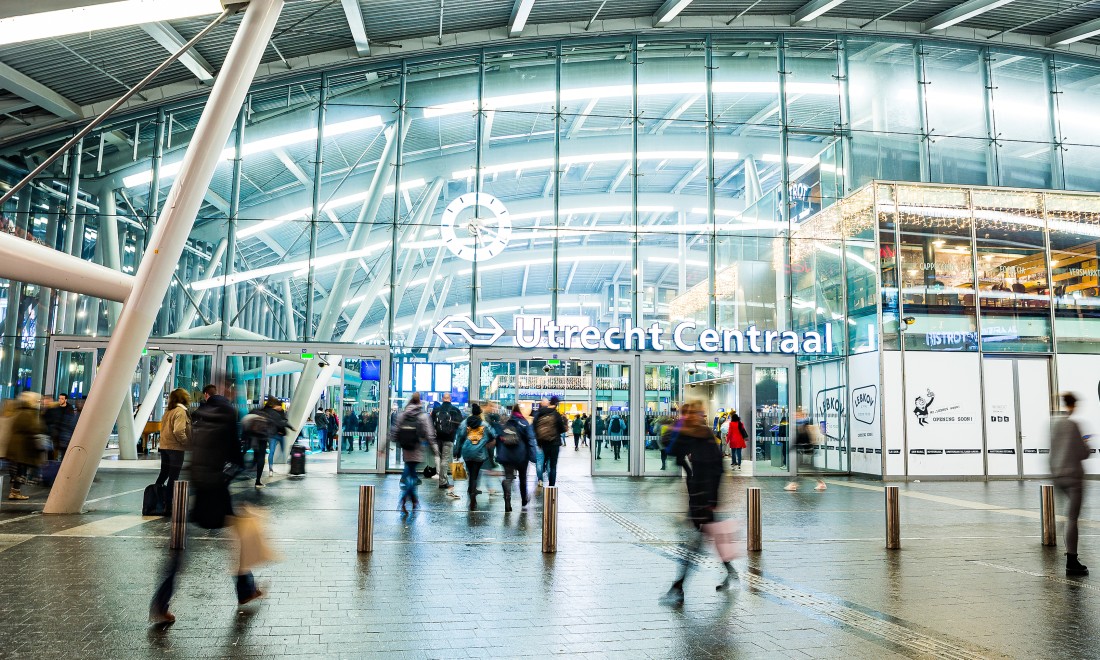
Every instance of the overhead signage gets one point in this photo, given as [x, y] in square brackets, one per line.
[684, 337]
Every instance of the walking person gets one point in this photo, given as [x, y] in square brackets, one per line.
[515, 449]
[806, 434]
[692, 441]
[474, 443]
[549, 426]
[26, 450]
[616, 428]
[60, 424]
[1068, 451]
[578, 429]
[736, 435]
[276, 428]
[586, 425]
[175, 436]
[446, 419]
[216, 459]
[413, 430]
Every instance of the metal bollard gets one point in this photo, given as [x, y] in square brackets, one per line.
[893, 519]
[179, 516]
[550, 519]
[365, 539]
[754, 536]
[1046, 514]
[3, 486]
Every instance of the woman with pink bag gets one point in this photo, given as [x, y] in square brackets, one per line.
[693, 442]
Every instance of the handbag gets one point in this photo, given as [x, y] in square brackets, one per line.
[255, 548]
[42, 442]
[230, 471]
[724, 535]
[458, 470]
[430, 472]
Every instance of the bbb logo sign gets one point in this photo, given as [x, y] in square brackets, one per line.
[863, 404]
[999, 418]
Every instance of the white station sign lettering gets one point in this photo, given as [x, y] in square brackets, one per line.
[685, 337]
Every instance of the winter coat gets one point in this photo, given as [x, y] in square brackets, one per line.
[215, 444]
[467, 450]
[526, 451]
[61, 421]
[449, 410]
[578, 426]
[736, 435]
[175, 428]
[424, 429]
[22, 446]
[696, 446]
[1068, 450]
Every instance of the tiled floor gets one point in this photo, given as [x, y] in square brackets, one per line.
[971, 580]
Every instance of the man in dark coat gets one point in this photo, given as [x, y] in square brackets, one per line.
[60, 423]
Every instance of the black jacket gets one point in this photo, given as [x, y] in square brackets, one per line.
[560, 424]
[215, 445]
[60, 423]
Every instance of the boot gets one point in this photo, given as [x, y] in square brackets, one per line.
[507, 487]
[16, 495]
[473, 502]
[731, 575]
[1075, 567]
[675, 595]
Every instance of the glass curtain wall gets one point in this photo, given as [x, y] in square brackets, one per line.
[642, 179]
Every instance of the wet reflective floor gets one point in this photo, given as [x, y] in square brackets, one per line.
[971, 580]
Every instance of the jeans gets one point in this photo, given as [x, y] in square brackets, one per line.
[510, 473]
[246, 583]
[540, 464]
[444, 450]
[616, 445]
[17, 472]
[599, 445]
[473, 469]
[171, 463]
[321, 439]
[576, 441]
[408, 483]
[1076, 494]
[735, 455]
[272, 444]
[550, 460]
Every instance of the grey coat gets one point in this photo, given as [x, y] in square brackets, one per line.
[424, 425]
[1068, 450]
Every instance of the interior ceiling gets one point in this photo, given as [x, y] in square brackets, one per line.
[48, 82]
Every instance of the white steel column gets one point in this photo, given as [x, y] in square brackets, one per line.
[165, 248]
[111, 254]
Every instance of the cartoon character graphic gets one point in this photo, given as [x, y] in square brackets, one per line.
[923, 403]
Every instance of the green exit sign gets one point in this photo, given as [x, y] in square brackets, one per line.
[307, 356]
[145, 351]
[712, 365]
[553, 363]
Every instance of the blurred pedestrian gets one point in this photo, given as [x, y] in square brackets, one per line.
[735, 438]
[175, 436]
[60, 424]
[446, 419]
[216, 460]
[413, 431]
[515, 449]
[549, 426]
[474, 444]
[693, 441]
[1068, 451]
[27, 443]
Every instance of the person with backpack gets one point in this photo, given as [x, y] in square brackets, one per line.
[578, 429]
[474, 443]
[446, 419]
[616, 428]
[736, 435]
[277, 426]
[413, 431]
[694, 443]
[586, 440]
[601, 434]
[515, 449]
[549, 427]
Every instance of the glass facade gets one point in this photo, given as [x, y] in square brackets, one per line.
[643, 179]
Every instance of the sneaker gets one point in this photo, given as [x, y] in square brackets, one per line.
[731, 576]
[16, 495]
[791, 486]
[453, 495]
[820, 486]
[673, 598]
[443, 486]
[259, 485]
[255, 594]
[540, 483]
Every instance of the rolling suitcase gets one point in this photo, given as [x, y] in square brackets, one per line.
[297, 459]
[48, 472]
[155, 501]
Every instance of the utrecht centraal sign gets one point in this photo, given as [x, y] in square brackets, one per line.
[685, 337]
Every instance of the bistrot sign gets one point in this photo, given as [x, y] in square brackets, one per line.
[684, 337]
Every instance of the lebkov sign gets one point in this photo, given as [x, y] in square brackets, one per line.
[685, 337]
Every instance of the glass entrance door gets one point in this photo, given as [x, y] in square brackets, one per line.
[661, 400]
[771, 423]
[1017, 415]
[363, 426]
[613, 420]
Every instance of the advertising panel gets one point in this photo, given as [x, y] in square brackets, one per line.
[942, 413]
[1080, 374]
[1000, 416]
[864, 413]
[892, 406]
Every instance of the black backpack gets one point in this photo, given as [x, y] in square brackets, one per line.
[447, 421]
[408, 433]
[616, 426]
[509, 436]
[546, 427]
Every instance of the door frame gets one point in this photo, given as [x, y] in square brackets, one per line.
[1015, 360]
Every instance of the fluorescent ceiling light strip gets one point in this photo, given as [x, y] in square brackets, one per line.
[80, 20]
[168, 170]
[617, 156]
[287, 267]
[820, 10]
[328, 206]
[671, 10]
[979, 8]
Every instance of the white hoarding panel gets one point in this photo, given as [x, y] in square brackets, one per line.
[893, 407]
[1080, 374]
[865, 413]
[1034, 388]
[1000, 416]
[942, 413]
